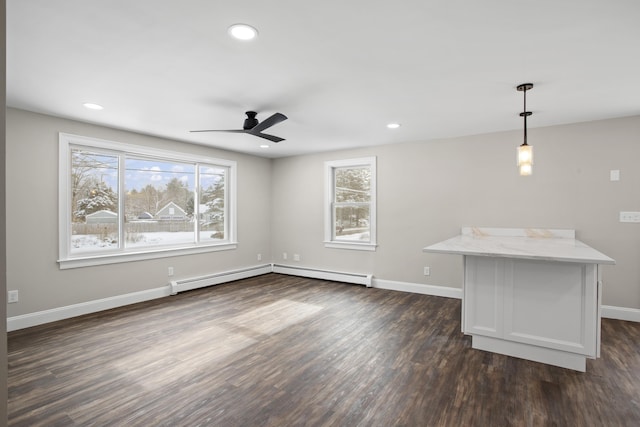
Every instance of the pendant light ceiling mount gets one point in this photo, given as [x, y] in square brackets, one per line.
[524, 87]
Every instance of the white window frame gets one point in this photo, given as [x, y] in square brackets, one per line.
[329, 240]
[67, 260]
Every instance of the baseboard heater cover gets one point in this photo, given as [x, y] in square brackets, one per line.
[314, 273]
[218, 278]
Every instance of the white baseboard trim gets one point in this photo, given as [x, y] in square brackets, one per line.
[315, 273]
[417, 288]
[621, 313]
[608, 311]
[47, 316]
[218, 278]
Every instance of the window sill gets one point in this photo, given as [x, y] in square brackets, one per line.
[350, 245]
[91, 260]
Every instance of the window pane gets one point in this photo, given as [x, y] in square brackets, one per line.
[352, 223]
[212, 203]
[94, 202]
[158, 203]
[353, 184]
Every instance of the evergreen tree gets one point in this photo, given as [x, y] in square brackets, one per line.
[176, 192]
[99, 198]
[213, 198]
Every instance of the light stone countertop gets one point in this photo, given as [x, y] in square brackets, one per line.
[522, 243]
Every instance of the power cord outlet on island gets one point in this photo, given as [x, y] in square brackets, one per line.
[170, 271]
[427, 271]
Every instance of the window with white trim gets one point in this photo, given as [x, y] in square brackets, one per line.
[350, 204]
[120, 202]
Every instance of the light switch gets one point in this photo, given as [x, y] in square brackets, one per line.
[629, 216]
[614, 175]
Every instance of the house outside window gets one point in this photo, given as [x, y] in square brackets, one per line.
[120, 202]
[350, 204]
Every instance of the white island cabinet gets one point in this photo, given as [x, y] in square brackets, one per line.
[530, 293]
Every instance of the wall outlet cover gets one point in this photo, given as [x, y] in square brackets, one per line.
[12, 296]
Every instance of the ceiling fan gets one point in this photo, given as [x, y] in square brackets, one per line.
[253, 127]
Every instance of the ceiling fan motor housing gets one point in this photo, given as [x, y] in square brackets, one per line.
[250, 122]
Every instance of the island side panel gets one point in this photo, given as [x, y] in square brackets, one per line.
[483, 296]
[552, 305]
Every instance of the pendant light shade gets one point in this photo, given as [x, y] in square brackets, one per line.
[525, 169]
[525, 159]
[525, 151]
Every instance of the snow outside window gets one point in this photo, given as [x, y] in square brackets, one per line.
[350, 204]
[120, 202]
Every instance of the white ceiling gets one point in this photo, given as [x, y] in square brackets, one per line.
[339, 69]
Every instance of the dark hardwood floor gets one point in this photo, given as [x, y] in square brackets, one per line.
[279, 350]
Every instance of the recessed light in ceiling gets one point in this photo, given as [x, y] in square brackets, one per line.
[92, 106]
[243, 32]
[393, 125]
[264, 145]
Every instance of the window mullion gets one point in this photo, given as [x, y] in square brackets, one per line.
[227, 204]
[121, 202]
[196, 204]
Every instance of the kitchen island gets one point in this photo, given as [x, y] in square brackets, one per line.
[530, 293]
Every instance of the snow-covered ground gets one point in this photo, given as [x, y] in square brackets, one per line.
[94, 242]
[355, 236]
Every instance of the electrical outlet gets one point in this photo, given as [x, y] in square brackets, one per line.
[12, 296]
[170, 271]
[296, 257]
[284, 255]
[427, 271]
[259, 257]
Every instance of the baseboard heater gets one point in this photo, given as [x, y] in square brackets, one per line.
[218, 278]
[355, 278]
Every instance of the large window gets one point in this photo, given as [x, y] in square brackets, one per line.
[120, 202]
[350, 208]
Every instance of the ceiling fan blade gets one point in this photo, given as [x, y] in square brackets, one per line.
[219, 130]
[257, 129]
[267, 136]
[267, 123]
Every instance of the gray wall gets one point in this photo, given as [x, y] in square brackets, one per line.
[32, 207]
[428, 190]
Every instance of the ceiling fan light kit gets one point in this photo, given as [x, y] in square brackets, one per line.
[525, 151]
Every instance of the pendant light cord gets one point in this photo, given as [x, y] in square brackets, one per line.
[525, 116]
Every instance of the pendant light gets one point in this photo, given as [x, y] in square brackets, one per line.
[525, 151]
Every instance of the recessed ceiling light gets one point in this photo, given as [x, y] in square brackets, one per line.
[92, 106]
[264, 145]
[393, 125]
[243, 32]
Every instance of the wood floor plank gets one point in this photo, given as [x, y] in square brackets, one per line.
[279, 350]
